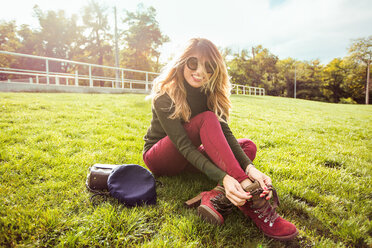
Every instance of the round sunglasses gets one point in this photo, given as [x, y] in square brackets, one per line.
[192, 64]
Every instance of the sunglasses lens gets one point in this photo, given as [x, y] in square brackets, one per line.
[209, 68]
[192, 63]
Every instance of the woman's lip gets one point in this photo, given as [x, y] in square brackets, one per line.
[197, 79]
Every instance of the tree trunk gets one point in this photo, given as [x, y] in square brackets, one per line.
[367, 84]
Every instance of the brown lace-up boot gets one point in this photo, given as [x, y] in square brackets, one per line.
[265, 216]
[213, 205]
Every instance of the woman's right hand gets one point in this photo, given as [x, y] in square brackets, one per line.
[263, 180]
[234, 191]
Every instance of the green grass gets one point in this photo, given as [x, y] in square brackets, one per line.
[319, 156]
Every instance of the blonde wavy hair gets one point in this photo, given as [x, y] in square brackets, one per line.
[218, 87]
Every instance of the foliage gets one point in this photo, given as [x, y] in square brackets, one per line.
[347, 100]
[361, 50]
[8, 38]
[142, 40]
[8, 42]
[340, 78]
[48, 142]
[63, 36]
[31, 43]
[254, 71]
[308, 80]
[284, 81]
[59, 35]
[333, 77]
[95, 19]
[98, 45]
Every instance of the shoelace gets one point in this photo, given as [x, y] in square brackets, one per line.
[222, 204]
[268, 211]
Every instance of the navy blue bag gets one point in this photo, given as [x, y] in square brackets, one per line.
[132, 185]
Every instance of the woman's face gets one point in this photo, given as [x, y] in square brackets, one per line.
[197, 71]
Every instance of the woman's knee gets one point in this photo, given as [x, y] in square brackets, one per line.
[163, 159]
[207, 116]
[249, 148]
[164, 168]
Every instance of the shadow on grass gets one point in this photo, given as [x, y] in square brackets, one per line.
[237, 231]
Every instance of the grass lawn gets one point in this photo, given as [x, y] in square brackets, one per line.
[319, 156]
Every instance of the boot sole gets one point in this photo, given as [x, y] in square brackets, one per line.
[284, 238]
[209, 215]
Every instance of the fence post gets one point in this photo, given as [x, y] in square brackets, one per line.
[243, 90]
[122, 79]
[31, 82]
[47, 69]
[117, 82]
[37, 79]
[90, 76]
[76, 78]
[147, 81]
[57, 80]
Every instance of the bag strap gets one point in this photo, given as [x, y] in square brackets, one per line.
[104, 194]
[96, 193]
[159, 183]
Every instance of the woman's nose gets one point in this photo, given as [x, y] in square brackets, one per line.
[201, 70]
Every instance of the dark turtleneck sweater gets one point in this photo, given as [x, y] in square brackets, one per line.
[162, 126]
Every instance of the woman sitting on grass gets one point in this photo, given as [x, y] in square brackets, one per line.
[189, 130]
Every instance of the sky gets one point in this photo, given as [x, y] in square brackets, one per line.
[300, 29]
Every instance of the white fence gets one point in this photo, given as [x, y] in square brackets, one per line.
[72, 73]
[61, 72]
[247, 90]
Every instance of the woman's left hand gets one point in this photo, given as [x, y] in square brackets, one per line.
[263, 180]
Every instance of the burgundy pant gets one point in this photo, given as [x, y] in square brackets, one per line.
[205, 132]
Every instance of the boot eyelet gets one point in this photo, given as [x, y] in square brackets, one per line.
[271, 224]
[266, 220]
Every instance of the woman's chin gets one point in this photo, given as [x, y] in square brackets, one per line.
[196, 84]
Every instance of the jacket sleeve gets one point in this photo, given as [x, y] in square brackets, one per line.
[239, 154]
[174, 129]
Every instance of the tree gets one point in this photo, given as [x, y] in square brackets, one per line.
[58, 37]
[8, 36]
[263, 67]
[284, 80]
[8, 42]
[238, 67]
[355, 81]
[142, 40]
[309, 81]
[98, 43]
[96, 24]
[226, 53]
[361, 50]
[334, 75]
[257, 70]
[31, 43]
